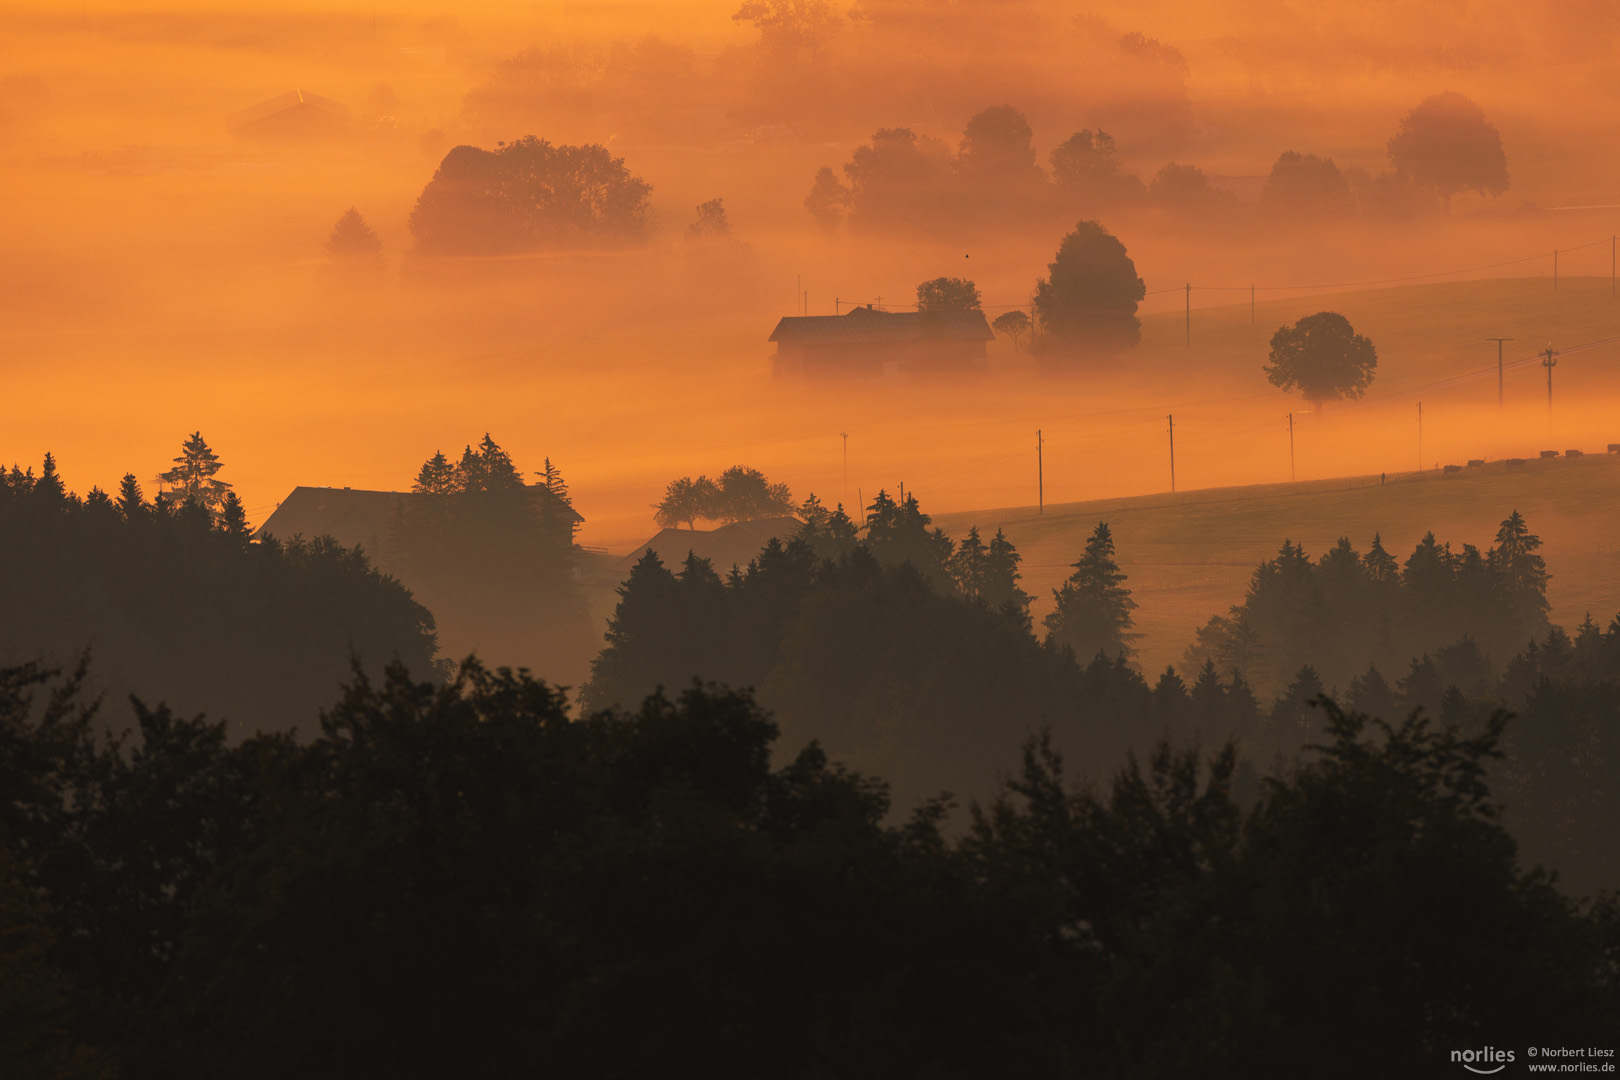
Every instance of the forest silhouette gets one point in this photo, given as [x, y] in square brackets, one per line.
[1218, 681]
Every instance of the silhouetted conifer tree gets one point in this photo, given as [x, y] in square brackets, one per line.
[1094, 608]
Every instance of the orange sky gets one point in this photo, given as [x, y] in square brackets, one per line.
[156, 278]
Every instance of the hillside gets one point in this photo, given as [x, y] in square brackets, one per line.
[1190, 555]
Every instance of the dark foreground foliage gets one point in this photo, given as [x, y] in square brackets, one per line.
[464, 880]
[179, 605]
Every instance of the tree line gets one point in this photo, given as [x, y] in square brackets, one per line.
[1348, 609]
[465, 878]
[901, 181]
[177, 604]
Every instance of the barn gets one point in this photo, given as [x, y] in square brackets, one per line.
[364, 518]
[867, 341]
[296, 116]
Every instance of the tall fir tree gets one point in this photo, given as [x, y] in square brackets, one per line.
[1093, 612]
[193, 477]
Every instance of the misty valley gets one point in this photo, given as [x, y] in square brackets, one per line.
[809, 538]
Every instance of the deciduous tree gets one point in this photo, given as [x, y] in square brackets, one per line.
[1323, 357]
[1087, 302]
[1446, 144]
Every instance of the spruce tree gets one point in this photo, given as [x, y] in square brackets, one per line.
[1522, 572]
[1001, 586]
[352, 239]
[1094, 608]
[192, 477]
[131, 503]
[970, 566]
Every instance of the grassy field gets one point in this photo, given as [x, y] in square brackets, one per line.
[1190, 555]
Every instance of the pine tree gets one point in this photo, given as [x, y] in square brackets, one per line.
[1371, 694]
[131, 503]
[49, 489]
[552, 478]
[233, 519]
[353, 239]
[192, 478]
[970, 566]
[814, 515]
[1001, 579]
[1522, 572]
[437, 476]
[1381, 566]
[1094, 608]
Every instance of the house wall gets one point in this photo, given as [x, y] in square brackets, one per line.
[869, 360]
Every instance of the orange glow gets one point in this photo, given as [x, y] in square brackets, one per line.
[157, 277]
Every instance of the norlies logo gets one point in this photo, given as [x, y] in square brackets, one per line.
[1468, 1059]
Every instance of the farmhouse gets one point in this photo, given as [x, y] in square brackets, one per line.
[364, 518]
[867, 341]
[296, 116]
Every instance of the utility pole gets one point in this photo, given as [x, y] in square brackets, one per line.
[838, 306]
[1420, 436]
[1499, 341]
[1549, 362]
[845, 436]
[1189, 314]
[1040, 475]
[1172, 418]
[1291, 448]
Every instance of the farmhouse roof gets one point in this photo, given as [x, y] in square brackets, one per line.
[353, 516]
[293, 99]
[730, 545]
[868, 326]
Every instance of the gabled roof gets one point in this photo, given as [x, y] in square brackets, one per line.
[352, 516]
[867, 326]
[730, 545]
[309, 112]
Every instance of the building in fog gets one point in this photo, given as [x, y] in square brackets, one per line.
[867, 341]
[365, 518]
[296, 116]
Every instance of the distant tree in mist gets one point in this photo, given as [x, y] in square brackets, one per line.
[353, 240]
[746, 495]
[686, 500]
[1446, 144]
[192, 479]
[1087, 302]
[1323, 357]
[948, 294]
[900, 182]
[741, 494]
[1185, 189]
[529, 195]
[828, 200]
[1304, 186]
[710, 223]
[1087, 171]
[997, 154]
[790, 28]
[1093, 607]
[1013, 324]
[1391, 196]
